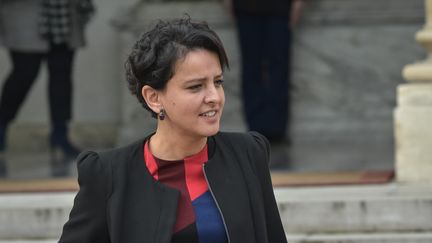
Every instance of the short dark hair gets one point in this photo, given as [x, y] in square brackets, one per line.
[155, 54]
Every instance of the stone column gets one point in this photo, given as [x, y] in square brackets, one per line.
[413, 115]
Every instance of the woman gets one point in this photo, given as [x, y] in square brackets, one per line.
[187, 182]
[35, 31]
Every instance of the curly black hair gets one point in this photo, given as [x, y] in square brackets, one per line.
[155, 54]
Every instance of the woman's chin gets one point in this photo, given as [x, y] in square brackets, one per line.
[211, 131]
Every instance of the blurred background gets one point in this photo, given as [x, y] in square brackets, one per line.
[347, 58]
[355, 163]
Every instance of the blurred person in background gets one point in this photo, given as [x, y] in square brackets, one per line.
[34, 31]
[264, 31]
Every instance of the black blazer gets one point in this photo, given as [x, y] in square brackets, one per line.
[120, 202]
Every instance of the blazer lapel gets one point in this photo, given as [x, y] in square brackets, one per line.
[228, 186]
[149, 208]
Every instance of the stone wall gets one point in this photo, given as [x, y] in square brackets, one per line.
[348, 57]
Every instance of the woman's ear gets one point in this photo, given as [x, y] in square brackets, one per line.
[151, 97]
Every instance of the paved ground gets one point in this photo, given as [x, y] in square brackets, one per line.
[35, 165]
[311, 156]
[295, 158]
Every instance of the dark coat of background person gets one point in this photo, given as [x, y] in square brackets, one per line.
[265, 38]
[119, 201]
[22, 33]
[260, 7]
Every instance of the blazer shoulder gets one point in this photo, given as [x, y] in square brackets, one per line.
[118, 155]
[93, 173]
[253, 140]
[252, 144]
[102, 165]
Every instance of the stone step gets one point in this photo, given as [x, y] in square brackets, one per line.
[373, 213]
[330, 238]
[362, 238]
[388, 208]
[43, 214]
[29, 241]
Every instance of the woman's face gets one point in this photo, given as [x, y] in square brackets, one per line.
[194, 97]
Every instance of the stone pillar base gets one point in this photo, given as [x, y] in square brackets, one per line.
[413, 121]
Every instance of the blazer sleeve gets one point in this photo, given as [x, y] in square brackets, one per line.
[275, 230]
[88, 220]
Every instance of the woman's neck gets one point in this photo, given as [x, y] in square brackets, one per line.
[171, 146]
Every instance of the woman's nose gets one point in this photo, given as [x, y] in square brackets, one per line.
[212, 95]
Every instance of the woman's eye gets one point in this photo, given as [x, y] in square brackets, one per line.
[194, 87]
[219, 83]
